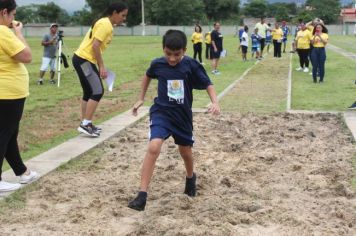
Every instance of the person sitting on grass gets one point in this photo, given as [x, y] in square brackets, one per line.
[171, 113]
[256, 46]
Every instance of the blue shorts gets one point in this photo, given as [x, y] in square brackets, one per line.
[161, 128]
[255, 49]
[284, 40]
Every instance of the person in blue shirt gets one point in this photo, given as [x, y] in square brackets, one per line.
[256, 45]
[239, 34]
[286, 32]
[171, 113]
[268, 37]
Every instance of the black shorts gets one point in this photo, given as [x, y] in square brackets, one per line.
[244, 49]
[213, 54]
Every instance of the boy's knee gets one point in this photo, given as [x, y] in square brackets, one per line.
[97, 97]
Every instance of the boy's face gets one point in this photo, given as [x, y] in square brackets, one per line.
[173, 57]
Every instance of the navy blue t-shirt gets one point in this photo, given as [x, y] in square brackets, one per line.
[175, 90]
[217, 37]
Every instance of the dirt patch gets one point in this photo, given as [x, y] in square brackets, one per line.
[281, 174]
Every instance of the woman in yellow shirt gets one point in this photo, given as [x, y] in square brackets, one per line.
[197, 39]
[319, 40]
[302, 42]
[277, 36]
[14, 88]
[207, 45]
[88, 55]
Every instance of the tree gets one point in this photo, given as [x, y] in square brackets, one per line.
[256, 8]
[278, 11]
[221, 9]
[327, 10]
[99, 7]
[50, 12]
[175, 12]
[27, 14]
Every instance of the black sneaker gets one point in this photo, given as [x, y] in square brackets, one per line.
[138, 204]
[40, 82]
[88, 130]
[52, 81]
[190, 186]
[353, 106]
[98, 129]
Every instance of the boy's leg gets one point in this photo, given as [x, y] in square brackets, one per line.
[154, 149]
[190, 180]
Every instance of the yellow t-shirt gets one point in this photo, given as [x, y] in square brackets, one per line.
[197, 38]
[277, 34]
[304, 37]
[317, 42]
[14, 80]
[102, 31]
[208, 38]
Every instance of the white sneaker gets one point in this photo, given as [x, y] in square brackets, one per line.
[306, 70]
[6, 187]
[25, 179]
[299, 69]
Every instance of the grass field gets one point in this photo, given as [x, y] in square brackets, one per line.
[335, 94]
[346, 42]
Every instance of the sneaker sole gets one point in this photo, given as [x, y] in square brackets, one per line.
[28, 181]
[83, 131]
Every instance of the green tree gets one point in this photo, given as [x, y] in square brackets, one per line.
[82, 17]
[221, 9]
[256, 8]
[99, 7]
[28, 14]
[50, 12]
[327, 10]
[175, 12]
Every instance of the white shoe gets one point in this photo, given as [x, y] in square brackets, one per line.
[6, 187]
[25, 179]
[299, 69]
[306, 70]
[202, 63]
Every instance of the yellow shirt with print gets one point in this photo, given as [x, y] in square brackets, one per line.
[303, 39]
[14, 79]
[197, 38]
[318, 43]
[208, 38]
[277, 34]
[102, 31]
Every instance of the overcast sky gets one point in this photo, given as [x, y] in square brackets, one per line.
[69, 5]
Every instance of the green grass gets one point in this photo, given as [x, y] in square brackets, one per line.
[263, 90]
[346, 42]
[335, 94]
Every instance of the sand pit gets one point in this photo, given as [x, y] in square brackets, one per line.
[282, 174]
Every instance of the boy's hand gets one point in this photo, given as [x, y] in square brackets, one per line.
[135, 108]
[214, 109]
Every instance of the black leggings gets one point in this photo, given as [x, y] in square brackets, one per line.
[277, 48]
[89, 79]
[11, 113]
[303, 57]
[198, 50]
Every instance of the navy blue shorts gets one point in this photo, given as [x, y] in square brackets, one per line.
[162, 129]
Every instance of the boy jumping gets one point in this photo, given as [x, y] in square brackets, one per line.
[171, 113]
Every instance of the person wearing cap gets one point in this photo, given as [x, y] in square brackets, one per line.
[49, 43]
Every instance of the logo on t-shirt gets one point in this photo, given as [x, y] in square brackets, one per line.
[175, 90]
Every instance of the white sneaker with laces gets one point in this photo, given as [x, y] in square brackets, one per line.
[6, 187]
[299, 69]
[25, 179]
[306, 70]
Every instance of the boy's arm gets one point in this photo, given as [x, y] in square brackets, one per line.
[144, 86]
[214, 107]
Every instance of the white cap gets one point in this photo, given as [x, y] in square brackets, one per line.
[54, 24]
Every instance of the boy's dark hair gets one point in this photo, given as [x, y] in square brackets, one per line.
[9, 5]
[117, 6]
[246, 28]
[269, 24]
[174, 40]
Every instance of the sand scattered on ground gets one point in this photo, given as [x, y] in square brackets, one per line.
[280, 174]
